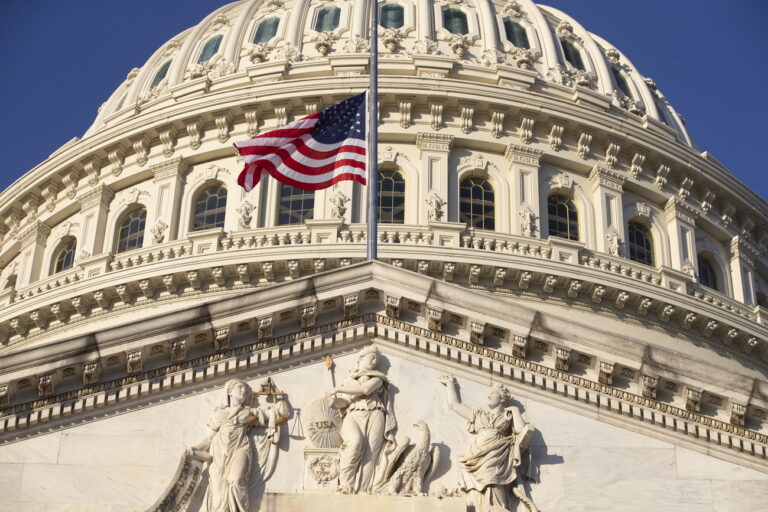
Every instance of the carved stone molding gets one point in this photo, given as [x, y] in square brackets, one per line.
[522, 154]
[427, 141]
[99, 196]
[600, 176]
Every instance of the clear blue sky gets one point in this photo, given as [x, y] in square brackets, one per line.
[62, 59]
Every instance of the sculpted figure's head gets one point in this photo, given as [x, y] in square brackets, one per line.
[367, 360]
[237, 392]
[498, 395]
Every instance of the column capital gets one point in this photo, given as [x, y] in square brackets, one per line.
[677, 209]
[36, 233]
[602, 177]
[426, 141]
[523, 154]
[169, 168]
[101, 195]
[742, 249]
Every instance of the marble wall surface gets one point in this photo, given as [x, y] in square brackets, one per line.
[124, 462]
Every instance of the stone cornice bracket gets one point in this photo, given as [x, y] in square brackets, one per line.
[141, 147]
[264, 327]
[169, 169]
[168, 137]
[223, 121]
[684, 190]
[519, 346]
[584, 144]
[405, 109]
[70, 180]
[392, 304]
[636, 168]
[50, 191]
[134, 361]
[116, 157]
[477, 332]
[92, 168]
[661, 175]
[707, 200]
[612, 149]
[600, 176]
[195, 130]
[252, 118]
[102, 195]
[556, 135]
[36, 233]
[562, 355]
[467, 116]
[677, 209]
[308, 314]
[497, 116]
[648, 385]
[427, 141]
[605, 372]
[221, 339]
[436, 107]
[91, 372]
[527, 122]
[351, 304]
[435, 319]
[523, 155]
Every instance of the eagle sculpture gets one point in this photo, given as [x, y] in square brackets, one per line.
[413, 464]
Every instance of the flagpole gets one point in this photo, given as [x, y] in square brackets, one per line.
[373, 128]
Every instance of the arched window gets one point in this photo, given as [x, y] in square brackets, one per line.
[640, 243]
[160, 75]
[120, 103]
[65, 256]
[328, 19]
[563, 217]
[210, 208]
[131, 233]
[455, 21]
[707, 275]
[621, 82]
[516, 34]
[296, 205]
[572, 54]
[391, 197]
[210, 48]
[476, 204]
[391, 16]
[266, 30]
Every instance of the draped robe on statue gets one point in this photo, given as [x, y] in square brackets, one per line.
[241, 460]
[490, 467]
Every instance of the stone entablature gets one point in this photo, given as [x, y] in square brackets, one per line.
[601, 369]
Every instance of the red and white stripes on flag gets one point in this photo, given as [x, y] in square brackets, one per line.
[312, 153]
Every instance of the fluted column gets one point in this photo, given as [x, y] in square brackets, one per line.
[681, 222]
[360, 17]
[424, 23]
[743, 256]
[295, 31]
[435, 149]
[525, 165]
[32, 242]
[94, 208]
[607, 192]
[169, 187]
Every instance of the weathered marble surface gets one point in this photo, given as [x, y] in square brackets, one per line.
[122, 463]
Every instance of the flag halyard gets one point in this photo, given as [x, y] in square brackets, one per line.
[313, 152]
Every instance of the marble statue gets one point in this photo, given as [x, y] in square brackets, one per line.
[242, 450]
[489, 469]
[413, 464]
[367, 430]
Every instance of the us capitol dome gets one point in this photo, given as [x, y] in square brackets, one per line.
[546, 223]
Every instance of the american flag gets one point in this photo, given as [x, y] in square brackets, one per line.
[312, 153]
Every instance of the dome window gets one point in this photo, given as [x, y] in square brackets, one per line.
[640, 243]
[572, 54]
[391, 197]
[455, 21]
[516, 34]
[131, 233]
[476, 203]
[563, 218]
[621, 82]
[328, 19]
[266, 30]
[296, 205]
[210, 49]
[707, 275]
[65, 256]
[210, 208]
[392, 16]
[160, 75]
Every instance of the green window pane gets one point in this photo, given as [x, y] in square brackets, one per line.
[572, 54]
[455, 21]
[210, 49]
[160, 75]
[391, 16]
[267, 30]
[621, 82]
[516, 34]
[328, 19]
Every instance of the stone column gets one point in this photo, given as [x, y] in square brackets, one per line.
[32, 242]
[435, 149]
[524, 165]
[360, 17]
[607, 191]
[295, 31]
[424, 29]
[94, 208]
[743, 256]
[489, 32]
[681, 222]
[169, 189]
